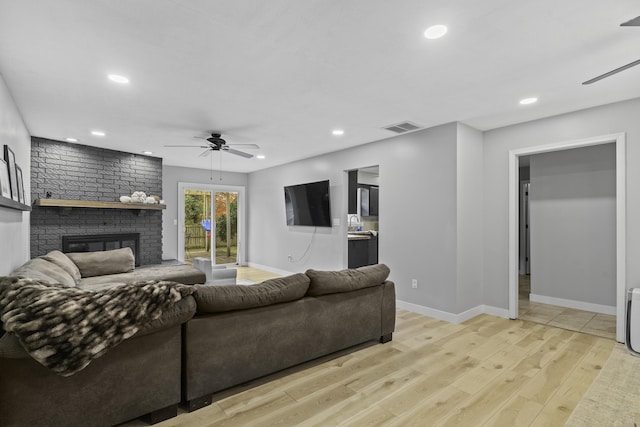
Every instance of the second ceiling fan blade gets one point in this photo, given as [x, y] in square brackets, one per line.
[238, 153]
[635, 22]
[612, 72]
[254, 146]
[205, 153]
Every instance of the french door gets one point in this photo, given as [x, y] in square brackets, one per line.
[211, 223]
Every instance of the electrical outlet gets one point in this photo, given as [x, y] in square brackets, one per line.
[414, 283]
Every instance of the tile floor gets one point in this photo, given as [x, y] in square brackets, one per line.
[602, 325]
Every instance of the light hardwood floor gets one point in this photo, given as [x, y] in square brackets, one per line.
[255, 275]
[487, 371]
[602, 325]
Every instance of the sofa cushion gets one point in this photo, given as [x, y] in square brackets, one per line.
[212, 299]
[64, 262]
[101, 263]
[184, 274]
[41, 269]
[331, 282]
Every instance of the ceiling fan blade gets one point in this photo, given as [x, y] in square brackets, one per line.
[635, 22]
[205, 153]
[188, 146]
[612, 72]
[248, 146]
[238, 153]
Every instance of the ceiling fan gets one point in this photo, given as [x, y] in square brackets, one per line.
[635, 22]
[216, 143]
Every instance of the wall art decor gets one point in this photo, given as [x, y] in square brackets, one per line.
[21, 195]
[5, 189]
[10, 158]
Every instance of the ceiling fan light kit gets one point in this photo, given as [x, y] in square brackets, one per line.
[216, 143]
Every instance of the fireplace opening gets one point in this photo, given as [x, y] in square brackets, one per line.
[102, 242]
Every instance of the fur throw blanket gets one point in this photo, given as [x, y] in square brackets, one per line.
[66, 328]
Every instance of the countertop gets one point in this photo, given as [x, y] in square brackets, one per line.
[361, 235]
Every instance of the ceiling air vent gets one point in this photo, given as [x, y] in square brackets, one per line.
[402, 127]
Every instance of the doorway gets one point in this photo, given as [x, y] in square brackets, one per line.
[363, 216]
[620, 227]
[211, 223]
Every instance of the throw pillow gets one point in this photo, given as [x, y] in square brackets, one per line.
[41, 269]
[212, 298]
[63, 261]
[331, 282]
[101, 263]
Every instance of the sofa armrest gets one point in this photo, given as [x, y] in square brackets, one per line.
[388, 323]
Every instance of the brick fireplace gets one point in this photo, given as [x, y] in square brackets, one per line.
[62, 170]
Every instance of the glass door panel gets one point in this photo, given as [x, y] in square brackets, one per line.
[226, 228]
[197, 224]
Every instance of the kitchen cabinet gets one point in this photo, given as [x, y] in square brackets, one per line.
[369, 196]
[372, 251]
[358, 253]
[352, 192]
[373, 200]
[362, 252]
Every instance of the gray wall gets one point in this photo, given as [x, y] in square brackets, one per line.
[171, 176]
[418, 213]
[608, 119]
[80, 172]
[573, 224]
[469, 212]
[14, 224]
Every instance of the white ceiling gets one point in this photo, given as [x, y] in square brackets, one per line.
[284, 73]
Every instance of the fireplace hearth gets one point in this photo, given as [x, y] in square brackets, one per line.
[102, 242]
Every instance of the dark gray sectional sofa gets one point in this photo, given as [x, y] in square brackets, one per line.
[236, 336]
[213, 340]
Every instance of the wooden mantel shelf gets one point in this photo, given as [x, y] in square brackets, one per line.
[61, 203]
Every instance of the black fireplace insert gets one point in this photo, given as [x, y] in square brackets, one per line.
[102, 242]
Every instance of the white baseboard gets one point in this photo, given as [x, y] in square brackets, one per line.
[269, 269]
[578, 305]
[451, 317]
[496, 311]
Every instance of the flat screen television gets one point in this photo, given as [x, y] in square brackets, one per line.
[308, 204]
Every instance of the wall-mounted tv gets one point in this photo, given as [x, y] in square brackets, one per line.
[308, 204]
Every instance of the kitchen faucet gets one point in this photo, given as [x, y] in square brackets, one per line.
[351, 217]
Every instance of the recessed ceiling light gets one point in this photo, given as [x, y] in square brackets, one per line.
[97, 133]
[435, 31]
[527, 101]
[148, 153]
[260, 156]
[118, 78]
[338, 132]
[71, 140]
